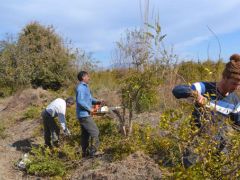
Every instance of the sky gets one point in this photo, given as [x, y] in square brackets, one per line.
[96, 25]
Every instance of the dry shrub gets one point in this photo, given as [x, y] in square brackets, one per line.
[135, 166]
[27, 97]
[110, 97]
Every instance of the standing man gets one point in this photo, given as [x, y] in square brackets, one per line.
[84, 101]
[56, 108]
[219, 97]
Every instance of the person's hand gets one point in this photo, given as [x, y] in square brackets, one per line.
[66, 132]
[200, 99]
[92, 111]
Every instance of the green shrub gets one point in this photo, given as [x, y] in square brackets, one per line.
[32, 112]
[44, 162]
[47, 168]
[121, 149]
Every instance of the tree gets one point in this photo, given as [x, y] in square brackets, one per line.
[47, 62]
[146, 64]
[39, 58]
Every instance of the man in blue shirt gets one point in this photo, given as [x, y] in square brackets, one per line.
[219, 97]
[84, 101]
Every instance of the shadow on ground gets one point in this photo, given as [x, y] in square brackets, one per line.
[24, 145]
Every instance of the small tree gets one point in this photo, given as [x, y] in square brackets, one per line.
[148, 64]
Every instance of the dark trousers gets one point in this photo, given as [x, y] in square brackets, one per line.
[89, 131]
[51, 129]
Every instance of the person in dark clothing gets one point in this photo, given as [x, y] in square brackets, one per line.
[84, 101]
[219, 97]
[56, 108]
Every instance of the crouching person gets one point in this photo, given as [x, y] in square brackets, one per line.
[56, 108]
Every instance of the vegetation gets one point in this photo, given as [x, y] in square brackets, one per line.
[45, 163]
[32, 112]
[143, 76]
[2, 133]
[38, 57]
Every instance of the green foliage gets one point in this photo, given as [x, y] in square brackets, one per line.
[191, 71]
[37, 58]
[165, 143]
[139, 90]
[32, 112]
[46, 168]
[149, 66]
[43, 162]
[46, 55]
[143, 138]
[211, 162]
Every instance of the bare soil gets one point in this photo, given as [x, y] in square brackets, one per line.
[19, 133]
[137, 166]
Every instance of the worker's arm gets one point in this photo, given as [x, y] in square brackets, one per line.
[96, 101]
[196, 90]
[62, 120]
[182, 91]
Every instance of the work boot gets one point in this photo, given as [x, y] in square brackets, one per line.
[95, 154]
[48, 146]
[85, 153]
[56, 143]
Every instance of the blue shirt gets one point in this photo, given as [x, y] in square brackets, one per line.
[228, 105]
[84, 100]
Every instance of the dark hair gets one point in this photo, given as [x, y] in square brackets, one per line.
[81, 74]
[70, 100]
[232, 68]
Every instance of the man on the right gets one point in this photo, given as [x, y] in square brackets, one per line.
[221, 94]
[219, 97]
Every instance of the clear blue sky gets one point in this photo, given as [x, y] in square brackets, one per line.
[95, 25]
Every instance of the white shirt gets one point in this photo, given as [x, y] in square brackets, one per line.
[58, 108]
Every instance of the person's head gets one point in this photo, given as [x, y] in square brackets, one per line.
[69, 101]
[83, 76]
[231, 74]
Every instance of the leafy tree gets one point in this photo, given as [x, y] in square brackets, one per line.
[44, 53]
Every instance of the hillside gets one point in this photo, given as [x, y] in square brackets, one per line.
[23, 131]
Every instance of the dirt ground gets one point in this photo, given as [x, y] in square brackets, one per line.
[18, 133]
[19, 139]
[137, 166]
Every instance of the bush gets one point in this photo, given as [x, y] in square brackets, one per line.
[32, 112]
[43, 162]
[47, 168]
[38, 58]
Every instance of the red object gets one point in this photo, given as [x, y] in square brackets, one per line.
[96, 108]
